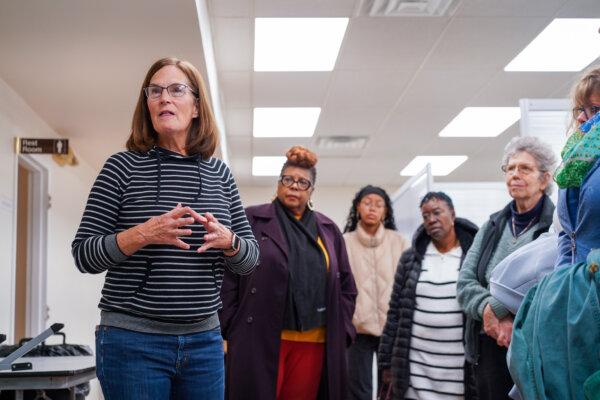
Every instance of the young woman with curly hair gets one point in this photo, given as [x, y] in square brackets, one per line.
[374, 249]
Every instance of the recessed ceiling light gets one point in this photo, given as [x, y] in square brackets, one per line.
[440, 165]
[481, 122]
[566, 44]
[285, 121]
[267, 166]
[297, 44]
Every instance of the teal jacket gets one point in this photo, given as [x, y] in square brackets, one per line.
[555, 345]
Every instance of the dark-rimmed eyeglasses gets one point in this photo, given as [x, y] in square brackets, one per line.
[154, 92]
[301, 184]
[589, 112]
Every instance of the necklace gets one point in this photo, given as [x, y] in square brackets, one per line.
[514, 228]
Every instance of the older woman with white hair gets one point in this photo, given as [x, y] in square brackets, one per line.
[526, 163]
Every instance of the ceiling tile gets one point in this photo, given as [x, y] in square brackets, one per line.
[349, 121]
[440, 87]
[230, 8]
[334, 152]
[236, 88]
[277, 146]
[580, 9]
[238, 121]
[234, 46]
[484, 43]
[303, 8]
[507, 88]
[290, 89]
[380, 171]
[493, 148]
[333, 170]
[508, 8]
[240, 146]
[388, 43]
[454, 146]
[417, 124]
[367, 88]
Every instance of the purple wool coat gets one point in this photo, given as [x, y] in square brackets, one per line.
[253, 308]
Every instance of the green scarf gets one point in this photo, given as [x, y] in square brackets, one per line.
[579, 154]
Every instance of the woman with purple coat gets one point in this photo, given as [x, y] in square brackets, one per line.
[288, 324]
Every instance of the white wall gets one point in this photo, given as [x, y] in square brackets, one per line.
[475, 201]
[72, 296]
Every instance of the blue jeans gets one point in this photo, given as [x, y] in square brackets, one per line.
[138, 366]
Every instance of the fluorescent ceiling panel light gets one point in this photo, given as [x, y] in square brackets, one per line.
[285, 121]
[566, 44]
[440, 165]
[481, 122]
[297, 44]
[267, 166]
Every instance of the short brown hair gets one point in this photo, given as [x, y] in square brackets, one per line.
[203, 136]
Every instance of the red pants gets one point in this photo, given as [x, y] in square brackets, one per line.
[300, 366]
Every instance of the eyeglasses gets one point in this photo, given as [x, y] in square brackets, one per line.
[288, 181]
[523, 168]
[154, 92]
[589, 112]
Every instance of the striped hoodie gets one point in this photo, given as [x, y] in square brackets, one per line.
[161, 282]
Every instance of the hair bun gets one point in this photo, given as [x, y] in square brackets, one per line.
[301, 157]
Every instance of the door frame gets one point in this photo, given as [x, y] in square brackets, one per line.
[39, 203]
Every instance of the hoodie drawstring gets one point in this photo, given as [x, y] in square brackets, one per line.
[199, 180]
[159, 166]
[198, 160]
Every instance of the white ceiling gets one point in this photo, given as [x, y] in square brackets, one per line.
[398, 81]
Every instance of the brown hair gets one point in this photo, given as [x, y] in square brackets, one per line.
[301, 157]
[203, 136]
[586, 86]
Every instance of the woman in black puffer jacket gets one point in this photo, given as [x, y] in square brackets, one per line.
[421, 350]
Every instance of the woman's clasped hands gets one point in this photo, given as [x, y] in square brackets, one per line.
[172, 226]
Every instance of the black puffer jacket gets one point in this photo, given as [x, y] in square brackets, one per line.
[395, 340]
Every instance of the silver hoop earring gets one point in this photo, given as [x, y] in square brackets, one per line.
[310, 205]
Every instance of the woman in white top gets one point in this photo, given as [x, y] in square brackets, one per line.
[374, 248]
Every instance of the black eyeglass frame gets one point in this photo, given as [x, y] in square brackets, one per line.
[593, 111]
[147, 88]
[297, 182]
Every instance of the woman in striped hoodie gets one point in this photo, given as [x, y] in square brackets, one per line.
[164, 221]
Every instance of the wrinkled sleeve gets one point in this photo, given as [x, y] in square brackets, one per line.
[245, 260]
[565, 249]
[471, 296]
